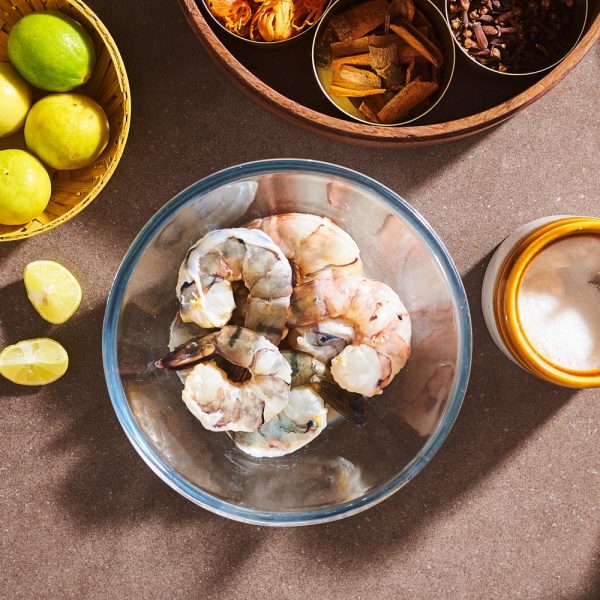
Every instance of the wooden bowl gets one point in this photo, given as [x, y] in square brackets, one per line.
[72, 191]
[291, 98]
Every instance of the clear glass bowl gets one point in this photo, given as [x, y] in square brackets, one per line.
[348, 468]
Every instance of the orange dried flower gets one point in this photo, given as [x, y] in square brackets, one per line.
[235, 14]
[307, 12]
[273, 20]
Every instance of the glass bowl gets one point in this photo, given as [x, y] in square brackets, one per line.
[348, 468]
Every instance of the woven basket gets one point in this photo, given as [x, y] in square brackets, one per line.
[72, 191]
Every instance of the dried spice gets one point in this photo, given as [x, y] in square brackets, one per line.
[267, 20]
[413, 37]
[273, 20]
[361, 19]
[514, 36]
[234, 14]
[352, 93]
[346, 49]
[404, 101]
[361, 77]
[383, 58]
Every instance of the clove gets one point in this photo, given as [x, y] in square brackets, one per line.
[521, 35]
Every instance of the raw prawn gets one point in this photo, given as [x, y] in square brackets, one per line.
[380, 344]
[224, 256]
[306, 415]
[223, 405]
[315, 246]
[300, 422]
[307, 370]
[323, 340]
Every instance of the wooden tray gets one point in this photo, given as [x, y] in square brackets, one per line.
[293, 94]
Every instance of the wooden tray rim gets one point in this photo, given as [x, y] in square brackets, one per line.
[359, 133]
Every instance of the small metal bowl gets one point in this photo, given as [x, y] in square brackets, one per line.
[575, 32]
[444, 38]
[263, 43]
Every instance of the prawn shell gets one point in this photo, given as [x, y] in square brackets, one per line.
[299, 423]
[220, 403]
[316, 247]
[380, 346]
[225, 256]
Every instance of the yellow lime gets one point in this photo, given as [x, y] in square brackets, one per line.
[15, 100]
[34, 362]
[52, 289]
[25, 187]
[67, 131]
[51, 51]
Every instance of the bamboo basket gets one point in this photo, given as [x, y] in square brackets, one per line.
[72, 191]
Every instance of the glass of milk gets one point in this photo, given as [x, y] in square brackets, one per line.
[541, 299]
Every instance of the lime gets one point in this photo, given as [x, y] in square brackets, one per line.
[34, 362]
[15, 100]
[67, 131]
[51, 51]
[24, 187]
[52, 289]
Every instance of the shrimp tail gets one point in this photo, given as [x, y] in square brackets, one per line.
[190, 353]
[350, 405]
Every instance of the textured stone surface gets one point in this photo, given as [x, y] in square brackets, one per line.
[509, 506]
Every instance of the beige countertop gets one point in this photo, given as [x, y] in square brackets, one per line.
[508, 508]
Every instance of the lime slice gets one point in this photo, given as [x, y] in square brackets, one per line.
[52, 289]
[34, 362]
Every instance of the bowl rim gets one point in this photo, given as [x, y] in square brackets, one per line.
[143, 446]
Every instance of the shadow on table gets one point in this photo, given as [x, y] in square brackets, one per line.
[592, 591]
[406, 171]
[108, 486]
[184, 129]
[489, 429]
[7, 248]
[108, 483]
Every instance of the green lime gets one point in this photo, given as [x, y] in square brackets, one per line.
[15, 100]
[67, 131]
[51, 51]
[24, 187]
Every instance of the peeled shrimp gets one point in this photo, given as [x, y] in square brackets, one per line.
[223, 405]
[316, 247]
[299, 423]
[307, 370]
[380, 344]
[224, 256]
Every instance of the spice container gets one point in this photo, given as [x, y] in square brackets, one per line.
[266, 23]
[541, 299]
[516, 37]
[383, 62]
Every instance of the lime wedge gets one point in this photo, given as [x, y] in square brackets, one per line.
[34, 362]
[52, 289]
